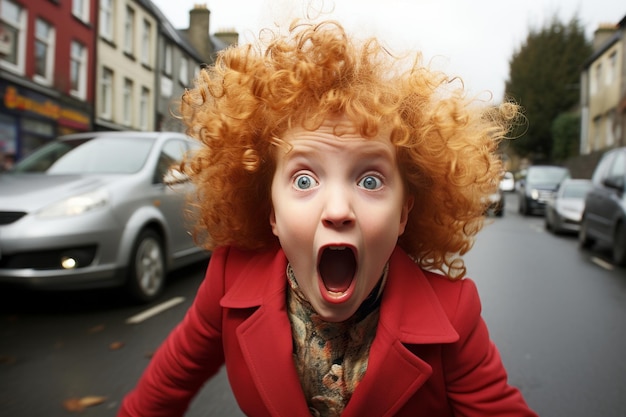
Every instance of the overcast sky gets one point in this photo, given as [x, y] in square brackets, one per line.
[473, 39]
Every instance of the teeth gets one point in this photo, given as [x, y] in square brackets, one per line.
[336, 247]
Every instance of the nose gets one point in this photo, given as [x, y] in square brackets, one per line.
[338, 209]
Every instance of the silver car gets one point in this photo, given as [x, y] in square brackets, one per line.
[564, 210]
[93, 210]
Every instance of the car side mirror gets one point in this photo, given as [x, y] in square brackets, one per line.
[615, 182]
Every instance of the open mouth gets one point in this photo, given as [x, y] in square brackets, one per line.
[337, 266]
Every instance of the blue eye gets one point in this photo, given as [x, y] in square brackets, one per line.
[304, 182]
[370, 182]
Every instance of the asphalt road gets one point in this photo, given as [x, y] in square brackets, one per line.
[557, 314]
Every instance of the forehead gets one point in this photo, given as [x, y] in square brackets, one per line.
[335, 135]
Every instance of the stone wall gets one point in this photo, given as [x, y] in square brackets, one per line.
[582, 166]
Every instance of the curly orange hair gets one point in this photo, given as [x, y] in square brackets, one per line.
[446, 143]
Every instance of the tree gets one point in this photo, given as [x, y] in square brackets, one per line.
[565, 136]
[544, 78]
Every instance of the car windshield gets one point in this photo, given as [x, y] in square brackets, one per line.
[551, 175]
[104, 155]
[576, 190]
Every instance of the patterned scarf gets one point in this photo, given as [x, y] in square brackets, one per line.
[331, 358]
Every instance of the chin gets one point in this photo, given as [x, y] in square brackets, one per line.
[335, 314]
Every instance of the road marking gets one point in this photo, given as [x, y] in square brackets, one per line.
[601, 263]
[151, 312]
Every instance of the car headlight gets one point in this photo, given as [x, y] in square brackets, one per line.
[534, 194]
[77, 204]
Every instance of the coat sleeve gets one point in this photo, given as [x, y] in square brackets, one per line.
[476, 377]
[191, 354]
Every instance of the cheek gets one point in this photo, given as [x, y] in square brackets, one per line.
[290, 224]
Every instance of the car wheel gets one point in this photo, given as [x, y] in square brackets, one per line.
[522, 205]
[619, 245]
[556, 225]
[146, 272]
[584, 241]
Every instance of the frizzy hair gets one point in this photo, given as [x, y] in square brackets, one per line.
[240, 107]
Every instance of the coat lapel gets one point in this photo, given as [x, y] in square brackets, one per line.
[265, 336]
[410, 314]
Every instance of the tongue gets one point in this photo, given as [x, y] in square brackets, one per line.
[337, 269]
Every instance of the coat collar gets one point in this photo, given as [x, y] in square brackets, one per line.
[410, 308]
[410, 314]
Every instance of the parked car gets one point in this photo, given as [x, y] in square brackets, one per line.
[92, 210]
[564, 211]
[507, 183]
[538, 186]
[604, 218]
[496, 204]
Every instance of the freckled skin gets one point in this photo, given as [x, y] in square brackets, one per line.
[339, 191]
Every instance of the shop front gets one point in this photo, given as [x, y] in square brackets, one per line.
[29, 119]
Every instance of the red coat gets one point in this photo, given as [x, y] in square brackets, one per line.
[431, 356]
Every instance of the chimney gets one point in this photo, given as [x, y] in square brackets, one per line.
[198, 31]
[602, 34]
[228, 35]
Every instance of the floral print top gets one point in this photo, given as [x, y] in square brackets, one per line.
[331, 358]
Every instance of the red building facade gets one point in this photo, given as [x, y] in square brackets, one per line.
[47, 61]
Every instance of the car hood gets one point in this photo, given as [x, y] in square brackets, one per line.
[31, 192]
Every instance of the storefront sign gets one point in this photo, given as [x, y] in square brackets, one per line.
[44, 107]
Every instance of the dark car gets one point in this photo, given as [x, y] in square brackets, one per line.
[538, 186]
[604, 218]
[94, 210]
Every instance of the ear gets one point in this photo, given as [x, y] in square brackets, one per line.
[273, 222]
[404, 215]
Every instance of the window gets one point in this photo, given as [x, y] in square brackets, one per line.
[106, 19]
[167, 57]
[145, 43]
[608, 128]
[80, 9]
[611, 69]
[78, 70]
[144, 108]
[171, 155]
[183, 75]
[44, 51]
[12, 36]
[128, 101]
[596, 81]
[129, 31]
[106, 96]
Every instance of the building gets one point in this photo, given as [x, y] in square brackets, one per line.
[145, 64]
[126, 70]
[47, 58]
[179, 63]
[182, 54]
[79, 65]
[603, 91]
